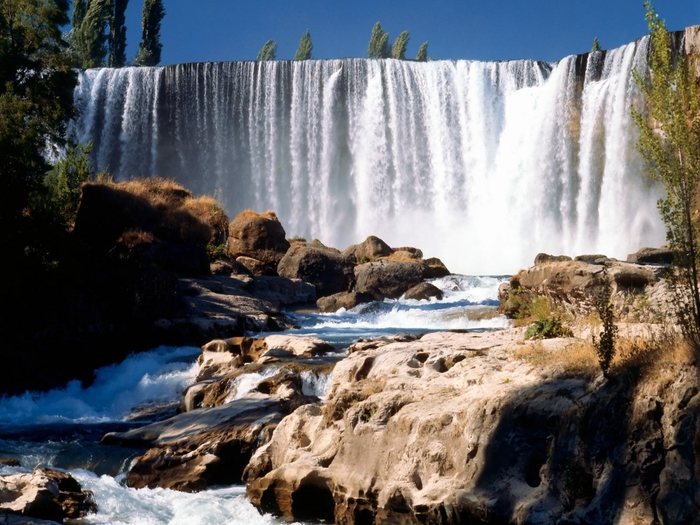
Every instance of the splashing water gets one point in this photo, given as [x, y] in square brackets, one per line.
[483, 164]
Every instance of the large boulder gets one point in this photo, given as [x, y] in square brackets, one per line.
[387, 279]
[347, 300]
[46, 494]
[423, 292]
[258, 236]
[371, 249]
[326, 268]
[651, 256]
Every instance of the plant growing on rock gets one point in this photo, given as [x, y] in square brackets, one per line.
[670, 144]
[605, 342]
[547, 324]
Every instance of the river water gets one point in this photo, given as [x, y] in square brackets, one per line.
[62, 428]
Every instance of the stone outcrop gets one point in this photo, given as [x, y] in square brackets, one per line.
[44, 494]
[371, 249]
[453, 428]
[574, 284]
[423, 292]
[347, 300]
[326, 268]
[651, 256]
[387, 279]
[258, 236]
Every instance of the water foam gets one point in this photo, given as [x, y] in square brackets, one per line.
[157, 376]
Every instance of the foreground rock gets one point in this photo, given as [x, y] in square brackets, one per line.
[387, 279]
[44, 494]
[453, 428]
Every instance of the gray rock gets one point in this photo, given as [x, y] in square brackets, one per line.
[651, 256]
[387, 278]
[423, 292]
[326, 268]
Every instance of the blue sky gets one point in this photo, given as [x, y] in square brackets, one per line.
[220, 30]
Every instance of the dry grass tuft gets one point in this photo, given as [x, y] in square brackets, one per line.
[577, 358]
[134, 238]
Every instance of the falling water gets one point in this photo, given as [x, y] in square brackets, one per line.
[483, 164]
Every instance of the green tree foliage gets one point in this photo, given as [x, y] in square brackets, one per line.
[596, 45]
[670, 145]
[64, 181]
[36, 102]
[89, 35]
[398, 50]
[378, 43]
[604, 343]
[268, 51]
[422, 55]
[117, 35]
[305, 47]
[150, 46]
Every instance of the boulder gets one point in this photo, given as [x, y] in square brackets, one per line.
[408, 252]
[434, 268]
[259, 236]
[222, 356]
[594, 258]
[347, 300]
[279, 345]
[255, 266]
[387, 279]
[45, 494]
[651, 256]
[543, 258]
[371, 249]
[326, 268]
[423, 292]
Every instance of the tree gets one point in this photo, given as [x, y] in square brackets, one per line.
[36, 103]
[305, 47]
[268, 51]
[378, 43]
[117, 35]
[150, 46]
[670, 145]
[596, 45]
[422, 55]
[398, 50]
[89, 35]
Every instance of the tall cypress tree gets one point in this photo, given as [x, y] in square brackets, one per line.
[305, 47]
[422, 55]
[89, 37]
[378, 43]
[117, 35]
[398, 50]
[150, 46]
[268, 51]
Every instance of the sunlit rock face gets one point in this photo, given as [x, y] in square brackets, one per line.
[483, 164]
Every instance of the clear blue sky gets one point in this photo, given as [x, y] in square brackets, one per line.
[220, 30]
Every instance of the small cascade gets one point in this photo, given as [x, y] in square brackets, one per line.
[483, 164]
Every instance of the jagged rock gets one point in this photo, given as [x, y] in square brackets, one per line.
[543, 258]
[423, 292]
[387, 278]
[371, 249]
[593, 259]
[45, 494]
[326, 268]
[347, 300]
[454, 429]
[651, 256]
[254, 266]
[434, 268]
[286, 345]
[259, 236]
[222, 356]
[408, 252]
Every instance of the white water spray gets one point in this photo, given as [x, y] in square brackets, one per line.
[482, 164]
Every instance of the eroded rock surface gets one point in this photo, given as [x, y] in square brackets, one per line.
[452, 428]
[258, 237]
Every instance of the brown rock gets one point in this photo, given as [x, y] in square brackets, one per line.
[347, 300]
[543, 258]
[326, 268]
[387, 278]
[434, 268]
[371, 249]
[254, 266]
[258, 235]
[651, 256]
[423, 292]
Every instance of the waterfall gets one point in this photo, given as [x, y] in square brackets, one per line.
[483, 164]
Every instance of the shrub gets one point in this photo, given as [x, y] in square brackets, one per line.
[605, 342]
[547, 322]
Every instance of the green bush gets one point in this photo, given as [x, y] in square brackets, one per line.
[605, 343]
[547, 324]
